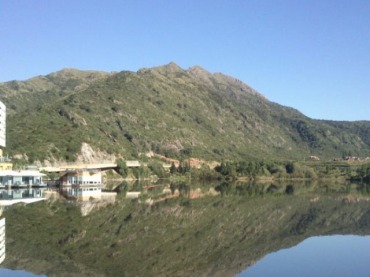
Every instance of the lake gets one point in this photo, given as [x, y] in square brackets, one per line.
[182, 229]
[317, 256]
[16, 273]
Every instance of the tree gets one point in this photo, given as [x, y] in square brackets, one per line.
[289, 167]
[289, 189]
[173, 168]
[157, 169]
[122, 167]
[184, 167]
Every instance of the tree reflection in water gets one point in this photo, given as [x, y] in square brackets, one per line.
[222, 231]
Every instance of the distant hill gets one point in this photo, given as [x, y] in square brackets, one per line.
[166, 110]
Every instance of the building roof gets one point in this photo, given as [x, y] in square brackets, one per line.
[21, 173]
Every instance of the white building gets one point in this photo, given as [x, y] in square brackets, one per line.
[2, 125]
[92, 177]
[2, 144]
[22, 178]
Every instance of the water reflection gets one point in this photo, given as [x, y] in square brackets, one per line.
[184, 189]
[319, 257]
[17, 273]
[179, 228]
[249, 189]
[8, 194]
[363, 188]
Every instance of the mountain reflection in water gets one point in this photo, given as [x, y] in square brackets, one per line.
[181, 229]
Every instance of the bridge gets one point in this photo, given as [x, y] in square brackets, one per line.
[87, 166]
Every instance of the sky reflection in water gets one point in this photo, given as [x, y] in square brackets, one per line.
[318, 256]
[16, 273]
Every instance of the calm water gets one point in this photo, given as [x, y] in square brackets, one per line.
[318, 256]
[16, 273]
[245, 221]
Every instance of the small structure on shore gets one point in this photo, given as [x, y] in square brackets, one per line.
[84, 177]
[81, 184]
[21, 178]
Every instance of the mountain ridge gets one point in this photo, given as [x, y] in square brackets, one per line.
[168, 110]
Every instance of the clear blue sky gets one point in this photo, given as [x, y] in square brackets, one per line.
[313, 55]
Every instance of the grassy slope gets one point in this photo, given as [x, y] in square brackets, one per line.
[167, 110]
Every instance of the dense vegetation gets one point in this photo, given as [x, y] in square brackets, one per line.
[295, 170]
[167, 110]
[363, 173]
[252, 170]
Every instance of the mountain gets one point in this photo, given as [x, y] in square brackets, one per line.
[167, 110]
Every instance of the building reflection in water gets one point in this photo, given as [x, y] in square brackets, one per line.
[8, 194]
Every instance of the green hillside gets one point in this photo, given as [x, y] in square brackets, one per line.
[167, 110]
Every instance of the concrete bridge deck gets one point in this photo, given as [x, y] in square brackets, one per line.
[87, 166]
